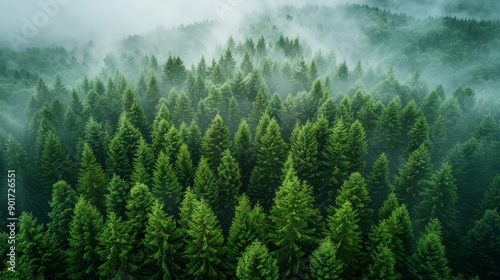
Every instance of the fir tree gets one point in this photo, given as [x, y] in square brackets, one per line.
[162, 245]
[205, 184]
[204, 250]
[215, 142]
[152, 97]
[418, 135]
[257, 263]
[165, 184]
[295, 224]
[143, 164]
[173, 142]
[62, 205]
[382, 265]
[244, 152]
[378, 182]
[116, 246]
[388, 206]
[324, 263]
[91, 180]
[229, 180]
[117, 196]
[85, 228]
[491, 197]
[304, 152]
[357, 148]
[184, 167]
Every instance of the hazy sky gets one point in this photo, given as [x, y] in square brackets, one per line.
[118, 18]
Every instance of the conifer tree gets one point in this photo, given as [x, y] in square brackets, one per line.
[388, 131]
[229, 181]
[205, 184]
[304, 152]
[324, 263]
[152, 97]
[244, 152]
[430, 106]
[215, 142]
[204, 244]
[295, 224]
[429, 260]
[257, 263]
[184, 167]
[388, 206]
[354, 190]
[92, 181]
[186, 210]
[97, 139]
[143, 164]
[138, 119]
[117, 196]
[39, 255]
[491, 197]
[344, 232]
[248, 225]
[161, 125]
[357, 148]
[162, 243]
[266, 175]
[382, 265]
[115, 243]
[173, 142]
[418, 135]
[378, 182]
[166, 187]
[411, 176]
[61, 209]
[83, 254]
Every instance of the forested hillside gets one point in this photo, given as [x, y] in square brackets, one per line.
[316, 143]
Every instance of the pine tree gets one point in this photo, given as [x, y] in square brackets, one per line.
[248, 225]
[304, 152]
[186, 210]
[344, 232]
[116, 245]
[411, 176]
[259, 106]
[324, 263]
[183, 110]
[388, 131]
[184, 167]
[229, 181]
[161, 126]
[62, 205]
[418, 135]
[152, 97]
[491, 197]
[83, 256]
[357, 148]
[138, 207]
[429, 260]
[117, 196]
[257, 263]
[344, 112]
[138, 119]
[388, 206]
[430, 106]
[382, 265]
[215, 142]
[166, 187]
[244, 152]
[97, 138]
[122, 150]
[354, 190]
[162, 245]
[266, 175]
[205, 184]
[91, 180]
[39, 256]
[295, 224]
[481, 246]
[378, 182]
[173, 142]
[204, 250]
[143, 164]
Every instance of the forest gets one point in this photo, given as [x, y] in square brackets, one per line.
[345, 142]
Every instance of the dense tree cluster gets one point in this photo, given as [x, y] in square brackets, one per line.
[264, 163]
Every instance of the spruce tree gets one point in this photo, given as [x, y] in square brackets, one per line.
[83, 253]
[357, 148]
[205, 184]
[304, 152]
[417, 136]
[117, 196]
[229, 181]
[98, 139]
[257, 263]
[215, 142]
[491, 197]
[266, 175]
[324, 263]
[39, 255]
[248, 225]
[173, 142]
[92, 181]
[354, 190]
[295, 224]
[162, 243]
[244, 152]
[138, 119]
[152, 97]
[204, 240]
[388, 206]
[166, 187]
[382, 264]
[378, 182]
[388, 131]
[61, 209]
[143, 164]
[115, 243]
[344, 232]
[161, 126]
[184, 167]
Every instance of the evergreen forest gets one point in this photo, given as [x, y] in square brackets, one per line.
[316, 142]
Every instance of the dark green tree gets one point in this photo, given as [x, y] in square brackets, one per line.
[257, 263]
[378, 182]
[184, 167]
[324, 263]
[382, 264]
[244, 152]
[304, 153]
[357, 148]
[117, 196]
[143, 164]
[61, 209]
[418, 135]
[92, 181]
[215, 142]
[166, 187]
[229, 180]
[205, 184]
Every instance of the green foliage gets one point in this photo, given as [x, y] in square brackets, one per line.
[184, 167]
[166, 187]
[295, 224]
[244, 152]
[116, 198]
[378, 182]
[304, 153]
[215, 142]
[382, 265]
[204, 250]
[83, 253]
[357, 148]
[229, 180]
[62, 205]
[324, 263]
[91, 180]
[205, 184]
[257, 263]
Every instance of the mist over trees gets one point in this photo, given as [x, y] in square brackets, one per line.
[317, 143]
